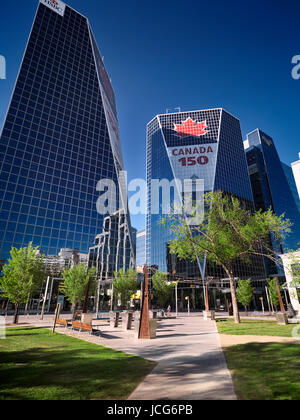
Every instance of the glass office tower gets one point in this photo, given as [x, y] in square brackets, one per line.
[60, 137]
[296, 172]
[270, 186]
[205, 145]
[288, 171]
[141, 248]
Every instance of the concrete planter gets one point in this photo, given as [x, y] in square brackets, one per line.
[282, 319]
[209, 315]
[87, 318]
[153, 327]
[136, 326]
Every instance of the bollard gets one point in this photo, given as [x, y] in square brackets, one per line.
[154, 314]
[114, 318]
[127, 319]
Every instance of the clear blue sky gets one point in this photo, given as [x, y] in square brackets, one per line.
[162, 54]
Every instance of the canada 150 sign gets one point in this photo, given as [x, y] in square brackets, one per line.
[194, 161]
[192, 156]
[56, 5]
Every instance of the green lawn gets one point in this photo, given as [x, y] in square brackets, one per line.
[38, 365]
[254, 327]
[269, 371]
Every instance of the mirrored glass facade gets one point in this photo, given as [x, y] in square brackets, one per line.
[59, 138]
[204, 145]
[112, 250]
[270, 186]
[141, 248]
[288, 171]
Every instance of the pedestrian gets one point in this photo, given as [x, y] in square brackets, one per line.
[169, 310]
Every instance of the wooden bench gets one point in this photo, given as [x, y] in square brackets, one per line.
[81, 326]
[62, 322]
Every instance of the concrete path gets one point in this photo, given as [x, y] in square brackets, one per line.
[233, 340]
[191, 364]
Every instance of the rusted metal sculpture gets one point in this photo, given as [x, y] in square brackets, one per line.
[144, 330]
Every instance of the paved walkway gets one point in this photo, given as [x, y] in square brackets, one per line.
[233, 340]
[191, 364]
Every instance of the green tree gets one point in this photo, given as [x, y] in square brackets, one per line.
[125, 285]
[244, 293]
[78, 282]
[22, 276]
[273, 293]
[163, 288]
[227, 234]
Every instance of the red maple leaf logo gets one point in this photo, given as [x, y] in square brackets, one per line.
[191, 128]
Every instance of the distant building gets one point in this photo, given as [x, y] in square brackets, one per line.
[270, 186]
[141, 248]
[290, 261]
[112, 250]
[296, 171]
[67, 258]
[291, 181]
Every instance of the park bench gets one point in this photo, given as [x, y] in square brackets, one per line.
[81, 326]
[62, 322]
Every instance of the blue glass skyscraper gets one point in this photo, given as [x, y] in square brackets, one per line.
[59, 138]
[288, 171]
[270, 186]
[205, 145]
[141, 248]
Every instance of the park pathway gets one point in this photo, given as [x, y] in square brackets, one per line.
[191, 363]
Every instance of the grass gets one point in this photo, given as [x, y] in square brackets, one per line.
[38, 365]
[254, 327]
[269, 371]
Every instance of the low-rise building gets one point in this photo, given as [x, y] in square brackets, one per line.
[291, 263]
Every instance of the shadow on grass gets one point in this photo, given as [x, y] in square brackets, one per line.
[68, 369]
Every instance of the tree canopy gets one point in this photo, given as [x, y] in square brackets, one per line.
[163, 288]
[76, 281]
[22, 275]
[273, 292]
[125, 285]
[244, 292]
[228, 233]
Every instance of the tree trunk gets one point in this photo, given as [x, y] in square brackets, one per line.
[16, 315]
[86, 300]
[236, 313]
[74, 307]
[246, 310]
